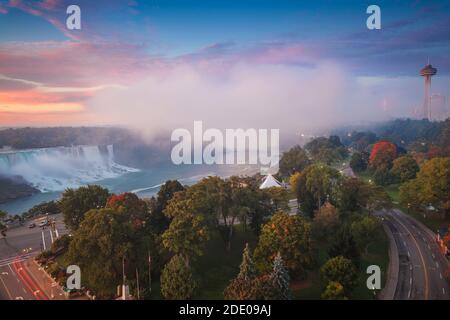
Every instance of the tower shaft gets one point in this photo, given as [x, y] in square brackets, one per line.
[426, 99]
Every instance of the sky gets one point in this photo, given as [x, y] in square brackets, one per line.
[155, 65]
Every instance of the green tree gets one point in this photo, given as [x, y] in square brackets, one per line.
[186, 236]
[177, 280]
[159, 220]
[320, 182]
[341, 270]
[280, 279]
[3, 215]
[314, 186]
[292, 161]
[326, 150]
[291, 237]
[404, 168]
[365, 231]
[344, 245]
[383, 176]
[334, 291]
[358, 162]
[75, 203]
[102, 240]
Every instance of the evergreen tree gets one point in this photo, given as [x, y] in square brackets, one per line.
[242, 287]
[177, 281]
[247, 270]
[280, 279]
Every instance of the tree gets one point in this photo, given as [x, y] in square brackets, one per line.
[292, 161]
[326, 221]
[383, 176]
[75, 203]
[177, 281]
[344, 245]
[291, 237]
[279, 198]
[430, 187]
[159, 220]
[358, 162]
[382, 155]
[334, 291]
[341, 270]
[247, 268]
[242, 287]
[404, 168]
[132, 206]
[320, 182]
[186, 235]
[326, 150]
[280, 279]
[99, 244]
[365, 231]
[314, 186]
[50, 207]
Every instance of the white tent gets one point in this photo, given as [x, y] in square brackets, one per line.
[269, 182]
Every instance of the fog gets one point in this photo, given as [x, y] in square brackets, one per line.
[293, 99]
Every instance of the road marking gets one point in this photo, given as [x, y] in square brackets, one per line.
[440, 275]
[410, 267]
[421, 258]
[404, 243]
[409, 255]
[410, 281]
[409, 293]
[7, 291]
[433, 256]
[437, 264]
[443, 290]
[429, 248]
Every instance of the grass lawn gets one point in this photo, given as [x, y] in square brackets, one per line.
[393, 191]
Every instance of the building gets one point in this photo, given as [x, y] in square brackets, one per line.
[427, 72]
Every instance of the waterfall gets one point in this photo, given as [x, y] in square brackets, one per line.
[55, 169]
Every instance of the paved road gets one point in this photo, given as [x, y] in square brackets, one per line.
[20, 277]
[23, 240]
[421, 265]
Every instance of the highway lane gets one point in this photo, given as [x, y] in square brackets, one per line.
[421, 265]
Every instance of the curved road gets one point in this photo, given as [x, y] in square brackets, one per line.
[421, 265]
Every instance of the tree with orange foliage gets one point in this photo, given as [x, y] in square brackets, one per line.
[382, 155]
[291, 237]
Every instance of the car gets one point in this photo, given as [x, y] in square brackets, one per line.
[32, 225]
[43, 223]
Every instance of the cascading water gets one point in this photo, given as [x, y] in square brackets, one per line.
[54, 169]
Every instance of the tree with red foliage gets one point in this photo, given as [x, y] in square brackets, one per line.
[382, 155]
[130, 204]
